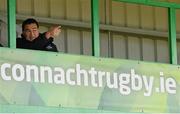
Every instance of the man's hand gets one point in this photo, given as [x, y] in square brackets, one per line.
[53, 32]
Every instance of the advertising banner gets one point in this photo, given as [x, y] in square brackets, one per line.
[34, 78]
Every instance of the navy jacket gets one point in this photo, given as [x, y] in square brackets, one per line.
[40, 43]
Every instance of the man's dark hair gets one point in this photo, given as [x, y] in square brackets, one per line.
[29, 21]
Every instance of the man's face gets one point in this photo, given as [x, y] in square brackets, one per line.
[31, 32]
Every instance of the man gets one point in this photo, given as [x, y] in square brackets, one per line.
[32, 39]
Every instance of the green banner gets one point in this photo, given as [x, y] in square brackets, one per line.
[34, 78]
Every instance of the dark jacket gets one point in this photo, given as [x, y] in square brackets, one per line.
[40, 43]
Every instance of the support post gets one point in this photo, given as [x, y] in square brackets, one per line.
[11, 8]
[95, 27]
[172, 36]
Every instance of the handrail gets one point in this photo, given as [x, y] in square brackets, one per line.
[152, 3]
